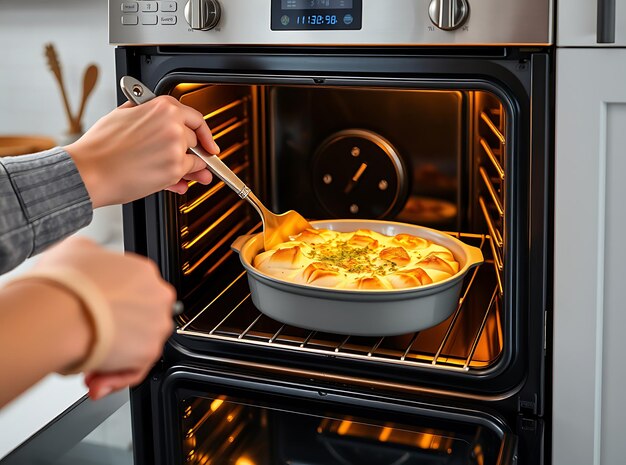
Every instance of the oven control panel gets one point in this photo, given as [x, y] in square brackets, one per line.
[331, 22]
[147, 13]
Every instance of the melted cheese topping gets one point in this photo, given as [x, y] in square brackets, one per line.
[363, 259]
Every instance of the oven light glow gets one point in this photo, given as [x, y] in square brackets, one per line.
[244, 461]
[384, 434]
[190, 441]
[186, 87]
[190, 244]
[425, 441]
[344, 427]
[216, 404]
[478, 453]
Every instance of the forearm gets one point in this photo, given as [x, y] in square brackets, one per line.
[42, 199]
[43, 329]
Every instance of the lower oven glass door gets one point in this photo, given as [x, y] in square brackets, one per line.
[250, 422]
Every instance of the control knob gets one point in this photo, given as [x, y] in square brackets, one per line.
[448, 14]
[203, 14]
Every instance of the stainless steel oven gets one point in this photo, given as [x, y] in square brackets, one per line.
[451, 102]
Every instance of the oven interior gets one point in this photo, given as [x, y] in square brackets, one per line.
[436, 158]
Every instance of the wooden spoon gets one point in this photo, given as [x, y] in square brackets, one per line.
[55, 67]
[90, 77]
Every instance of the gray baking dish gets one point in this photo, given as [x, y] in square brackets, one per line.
[359, 312]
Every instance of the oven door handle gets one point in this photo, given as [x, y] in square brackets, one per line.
[606, 22]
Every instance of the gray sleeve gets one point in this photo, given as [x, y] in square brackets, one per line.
[42, 200]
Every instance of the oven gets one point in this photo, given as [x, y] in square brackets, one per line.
[448, 105]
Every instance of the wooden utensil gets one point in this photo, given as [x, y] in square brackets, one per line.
[90, 77]
[55, 67]
[276, 228]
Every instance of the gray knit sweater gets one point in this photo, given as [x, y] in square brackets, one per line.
[42, 200]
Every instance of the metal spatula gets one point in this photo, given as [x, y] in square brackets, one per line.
[276, 228]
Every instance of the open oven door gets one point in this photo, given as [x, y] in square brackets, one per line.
[218, 418]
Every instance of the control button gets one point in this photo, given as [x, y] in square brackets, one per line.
[149, 7]
[149, 20]
[448, 14]
[130, 7]
[130, 20]
[168, 19]
[203, 14]
[168, 7]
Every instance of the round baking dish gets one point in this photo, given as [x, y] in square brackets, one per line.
[358, 312]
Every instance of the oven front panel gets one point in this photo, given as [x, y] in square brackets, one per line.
[492, 350]
[332, 22]
[491, 357]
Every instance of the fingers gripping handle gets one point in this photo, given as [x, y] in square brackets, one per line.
[137, 92]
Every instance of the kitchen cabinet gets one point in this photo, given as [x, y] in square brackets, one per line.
[577, 22]
[589, 412]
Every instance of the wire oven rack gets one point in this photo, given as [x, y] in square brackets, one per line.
[470, 339]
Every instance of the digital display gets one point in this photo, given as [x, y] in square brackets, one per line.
[291, 15]
[316, 4]
[316, 19]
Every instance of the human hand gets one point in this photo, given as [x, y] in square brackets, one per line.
[135, 151]
[140, 302]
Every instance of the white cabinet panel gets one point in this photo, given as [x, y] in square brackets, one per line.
[613, 343]
[577, 23]
[590, 258]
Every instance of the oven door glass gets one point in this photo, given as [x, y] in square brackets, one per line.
[414, 150]
[241, 430]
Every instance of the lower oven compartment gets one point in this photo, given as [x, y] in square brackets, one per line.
[219, 419]
[445, 166]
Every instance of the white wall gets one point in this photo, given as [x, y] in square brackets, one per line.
[30, 103]
[30, 99]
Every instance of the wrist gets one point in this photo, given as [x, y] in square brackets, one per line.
[71, 326]
[94, 306]
[86, 164]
